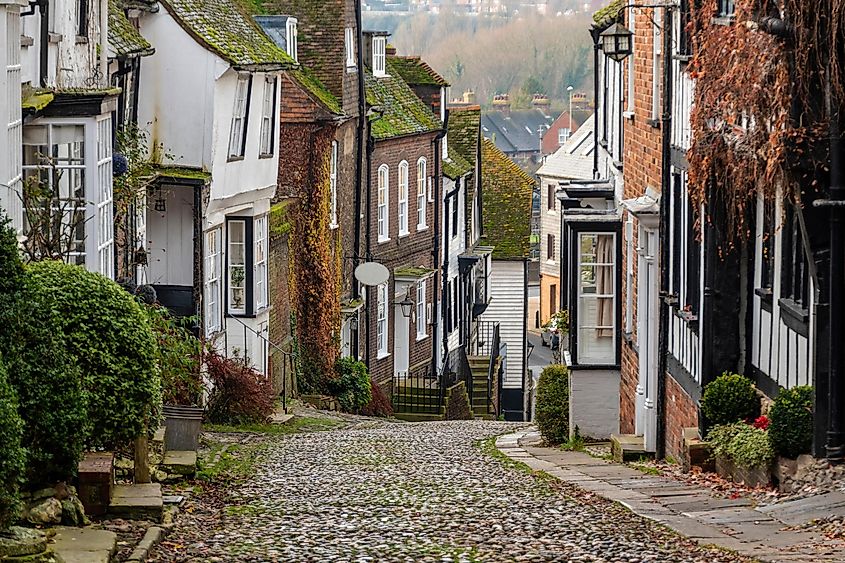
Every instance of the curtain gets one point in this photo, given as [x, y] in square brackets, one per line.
[604, 285]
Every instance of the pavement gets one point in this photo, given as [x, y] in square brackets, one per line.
[760, 532]
[377, 491]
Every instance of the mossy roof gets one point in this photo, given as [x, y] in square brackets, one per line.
[35, 100]
[124, 40]
[507, 204]
[456, 165]
[464, 126]
[311, 84]
[417, 72]
[225, 28]
[402, 112]
[182, 173]
[608, 15]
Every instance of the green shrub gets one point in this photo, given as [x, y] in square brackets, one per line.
[352, 386]
[741, 443]
[791, 422]
[729, 398]
[44, 374]
[552, 409]
[110, 335]
[178, 356]
[12, 458]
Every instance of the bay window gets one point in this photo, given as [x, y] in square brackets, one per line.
[422, 331]
[268, 117]
[381, 320]
[421, 195]
[237, 132]
[213, 273]
[246, 265]
[403, 198]
[333, 187]
[595, 291]
[383, 219]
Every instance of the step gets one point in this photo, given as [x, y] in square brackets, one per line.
[178, 462]
[84, 545]
[418, 417]
[137, 502]
[628, 447]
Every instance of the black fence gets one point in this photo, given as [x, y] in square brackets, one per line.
[483, 344]
[417, 392]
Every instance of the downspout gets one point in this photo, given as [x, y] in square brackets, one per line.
[368, 254]
[104, 42]
[359, 151]
[665, 195]
[596, 48]
[44, 58]
[438, 154]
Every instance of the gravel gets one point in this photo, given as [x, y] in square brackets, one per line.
[410, 492]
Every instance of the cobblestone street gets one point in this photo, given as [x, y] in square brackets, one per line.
[411, 492]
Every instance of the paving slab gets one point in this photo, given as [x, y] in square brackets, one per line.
[730, 515]
[84, 545]
[137, 502]
[803, 510]
[179, 462]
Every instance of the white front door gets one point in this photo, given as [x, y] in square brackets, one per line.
[647, 321]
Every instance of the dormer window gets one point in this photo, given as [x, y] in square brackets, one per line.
[379, 46]
[290, 37]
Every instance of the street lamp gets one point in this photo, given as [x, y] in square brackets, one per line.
[616, 42]
[407, 306]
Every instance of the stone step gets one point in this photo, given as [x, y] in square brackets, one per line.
[418, 417]
[178, 462]
[84, 545]
[628, 447]
[137, 502]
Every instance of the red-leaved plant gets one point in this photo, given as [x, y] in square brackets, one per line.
[762, 422]
[239, 394]
[379, 404]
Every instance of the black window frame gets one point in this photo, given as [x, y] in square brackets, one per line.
[454, 212]
[249, 265]
[795, 274]
[82, 18]
[550, 246]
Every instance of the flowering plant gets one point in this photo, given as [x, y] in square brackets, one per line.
[761, 422]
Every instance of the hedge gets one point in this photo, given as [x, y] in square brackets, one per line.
[791, 422]
[12, 458]
[730, 398]
[552, 408]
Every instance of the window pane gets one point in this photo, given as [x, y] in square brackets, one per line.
[596, 299]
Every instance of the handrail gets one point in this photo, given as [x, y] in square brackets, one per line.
[494, 356]
[288, 355]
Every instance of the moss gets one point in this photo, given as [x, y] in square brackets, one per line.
[309, 81]
[182, 173]
[36, 100]
[608, 15]
[403, 113]
[416, 72]
[455, 166]
[225, 28]
[124, 39]
[280, 224]
[411, 272]
[507, 193]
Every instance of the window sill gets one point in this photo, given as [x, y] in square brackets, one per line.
[382, 355]
[682, 58]
[794, 316]
[765, 295]
[404, 234]
[81, 40]
[550, 212]
[350, 69]
[722, 20]
[421, 338]
[653, 122]
[423, 228]
[384, 240]
[27, 41]
[266, 155]
[53, 37]
[234, 158]
[334, 225]
[628, 115]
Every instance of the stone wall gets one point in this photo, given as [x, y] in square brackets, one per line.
[457, 403]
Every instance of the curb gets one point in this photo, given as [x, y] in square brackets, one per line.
[151, 538]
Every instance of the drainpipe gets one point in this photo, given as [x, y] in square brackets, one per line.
[43, 73]
[438, 154]
[368, 254]
[104, 42]
[596, 48]
[359, 149]
[665, 195]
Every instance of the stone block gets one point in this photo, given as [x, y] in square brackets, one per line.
[84, 545]
[179, 463]
[21, 542]
[696, 452]
[627, 447]
[96, 476]
[137, 502]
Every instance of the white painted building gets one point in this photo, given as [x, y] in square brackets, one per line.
[10, 110]
[209, 94]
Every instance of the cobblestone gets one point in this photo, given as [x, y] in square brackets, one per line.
[412, 492]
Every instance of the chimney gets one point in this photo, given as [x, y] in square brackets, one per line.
[541, 102]
[469, 97]
[502, 103]
[390, 50]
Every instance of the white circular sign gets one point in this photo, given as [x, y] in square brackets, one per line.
[372, 273]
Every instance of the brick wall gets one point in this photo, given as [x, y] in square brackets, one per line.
[280, 313]
[681, 412]
[414, 250]
[642, 157]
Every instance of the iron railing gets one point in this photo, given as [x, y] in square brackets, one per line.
[482, 344]
[416, 392]
[495, 344]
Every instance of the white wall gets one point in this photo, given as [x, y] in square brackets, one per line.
[507, 304]
[457, 246]
[10, 114]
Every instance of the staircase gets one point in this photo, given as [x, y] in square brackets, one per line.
[480, 366]
[417, 400]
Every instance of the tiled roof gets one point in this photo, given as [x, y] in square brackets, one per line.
[517, 130]
[608, 15]
[573, 160]
[455, 165]
[402, 112]
[124, 39]
[507, 204]
[224, 28]
[417, 72]
[463, 131]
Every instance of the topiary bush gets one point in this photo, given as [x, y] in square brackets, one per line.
[12, 458]
[110, 335]
[379, 404]
[791, 422]
[729, 398]
[240, 395]
[552, 408]
[352, 386]
[178, 356]
[43, 372]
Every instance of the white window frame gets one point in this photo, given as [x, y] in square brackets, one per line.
[268, 114]
[349, 42]
[402, 199]
[333, 187]
[212, 286]
[230, 267]
[422, 320]
[12, 175]
[383, 195]
[105, 209]
[260, 250]
[421, 194]
[563, 135]
[238, 129]
[379, 56]
[581, 295]
[292, 43]
[382, 320]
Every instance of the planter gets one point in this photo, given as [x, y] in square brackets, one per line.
[749, 476]
[184, 425]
